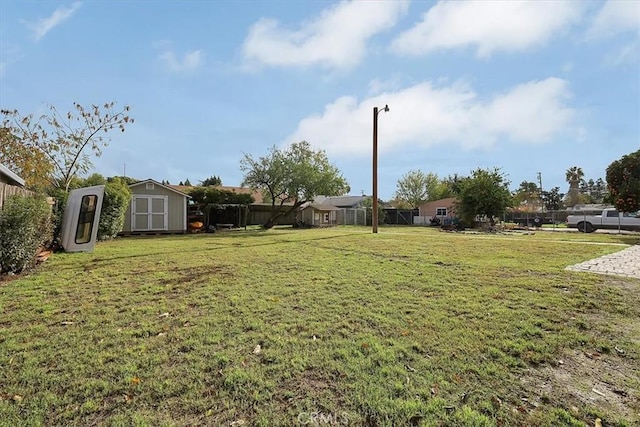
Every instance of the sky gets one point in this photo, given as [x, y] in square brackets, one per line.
[526, 86]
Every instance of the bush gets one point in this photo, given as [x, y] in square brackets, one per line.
[60, 196]
[114, 207]
[25, 225]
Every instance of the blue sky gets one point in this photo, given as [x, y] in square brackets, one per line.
[525, 86]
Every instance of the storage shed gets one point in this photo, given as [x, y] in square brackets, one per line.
[10, 178]
[320, 215]
[156, 208]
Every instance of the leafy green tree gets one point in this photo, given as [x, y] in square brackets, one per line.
[553, 199]
[412, 188]
[215, 196]
[292, 177]
[450, 186]
[187, 183]
[126, 179]
[416, 187]
[485, 192]
[527, 195]
[94, 179]
[31, 165]
[213, 180]
[623, 179]
[62, 144]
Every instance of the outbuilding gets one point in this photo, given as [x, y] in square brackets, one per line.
[318, 214]
[10, 178]
[156, 208]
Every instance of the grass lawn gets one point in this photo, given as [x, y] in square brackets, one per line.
[411, 326]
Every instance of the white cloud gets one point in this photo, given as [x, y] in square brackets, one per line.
[626, 54]
[190, 61]
[9, 55]
[337, 38]
[615, 17]
[425, 115]
[490, 26]
[44, 25]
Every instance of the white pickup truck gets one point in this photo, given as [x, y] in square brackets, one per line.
[608, 219]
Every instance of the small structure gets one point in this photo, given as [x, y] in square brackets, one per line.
[10, 184]
[10, 178]
[319, 214]
[436, 210]
[156, 208]
[347, 202]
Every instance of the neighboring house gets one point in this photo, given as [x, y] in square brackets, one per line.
[10, 178]
[156, 208]
[319, 214]
[443, 208]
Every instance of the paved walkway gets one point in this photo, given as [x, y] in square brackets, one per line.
[623, 263]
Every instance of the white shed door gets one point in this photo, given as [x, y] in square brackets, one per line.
[149, 213]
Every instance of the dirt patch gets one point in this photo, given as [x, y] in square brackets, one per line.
[588, 380]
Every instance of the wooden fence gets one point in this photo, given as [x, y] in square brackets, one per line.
[7, 190]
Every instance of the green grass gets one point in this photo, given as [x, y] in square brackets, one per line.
[408, 327]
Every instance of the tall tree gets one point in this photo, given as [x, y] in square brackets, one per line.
[292, 177]
[213, 180]
[574, 177]
[187, 182]
[552, 199]
[32, 165]
[527, 195]
[416, 187]
[413, 188]
[485, 192]
[600, 192]
[623, 179]
[451, 186]
[61, 144]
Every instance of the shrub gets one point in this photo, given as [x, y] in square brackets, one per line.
[114, 207]
[25, 225]
[60, 196]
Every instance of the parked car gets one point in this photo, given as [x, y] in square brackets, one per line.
[609, 219]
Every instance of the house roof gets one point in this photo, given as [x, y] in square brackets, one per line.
[340, 201]
[12, 176]
[168, 187]
[440, 203]
[257, 195]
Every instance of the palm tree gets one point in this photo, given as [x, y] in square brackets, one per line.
[574, 176]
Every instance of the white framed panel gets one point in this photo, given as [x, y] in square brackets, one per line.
[149, 213]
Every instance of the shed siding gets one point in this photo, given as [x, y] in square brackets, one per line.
[176, 207]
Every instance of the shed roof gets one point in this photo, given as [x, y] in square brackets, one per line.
[168, 187]
[12, 176]
[319, 207]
